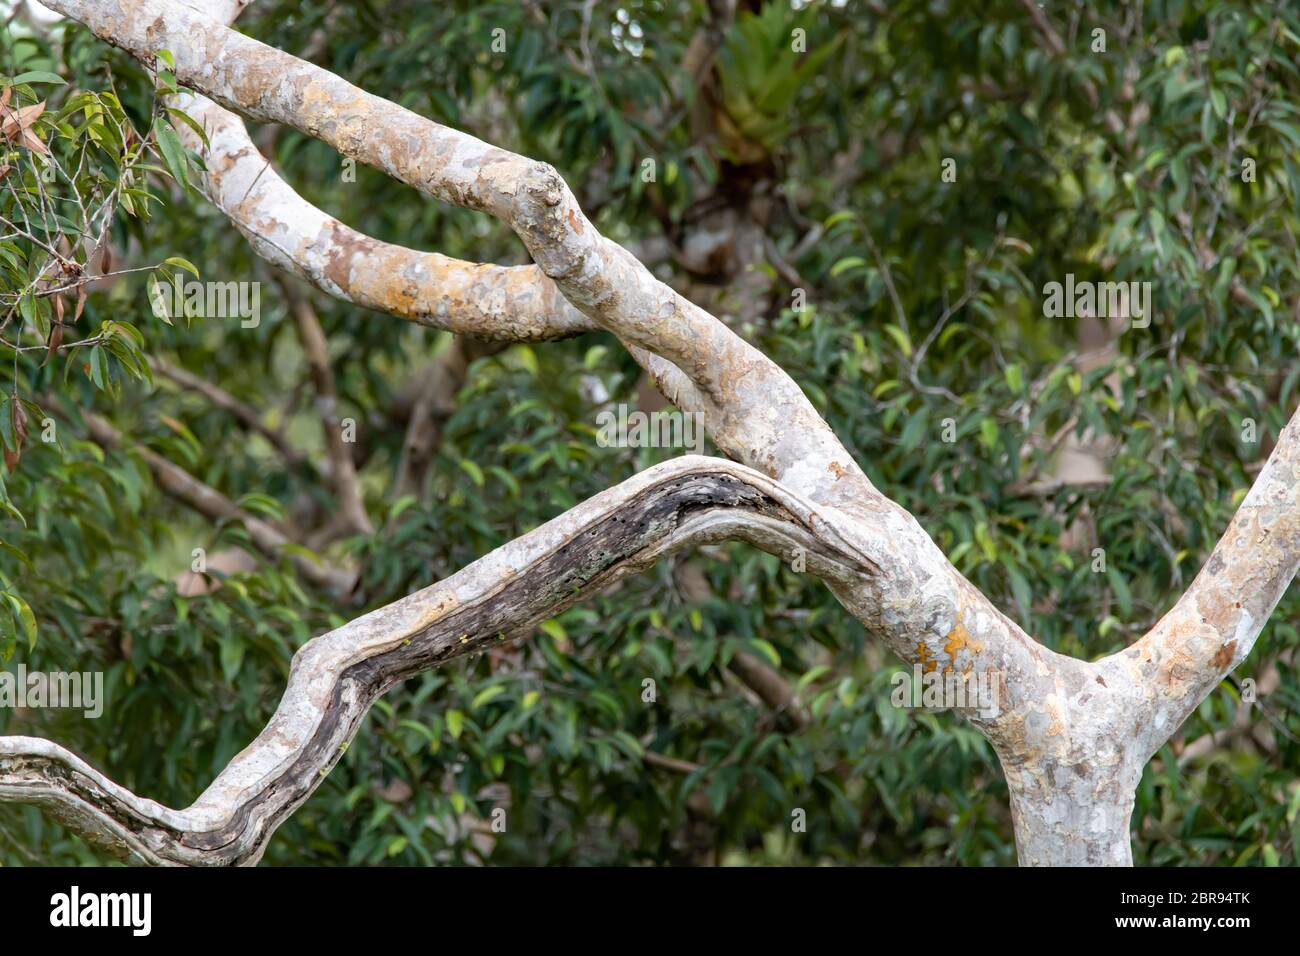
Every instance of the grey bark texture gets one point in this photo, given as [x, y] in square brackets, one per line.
[1072, 736]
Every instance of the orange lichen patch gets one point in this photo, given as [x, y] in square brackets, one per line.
[959, 638]
[1056, 727]
[1224, 656]
[575, 222]
[1181, 630]
[444, 604]
[1178, 668]
[1216, 607]
[927, 662]
[838, 470]
[386, 292]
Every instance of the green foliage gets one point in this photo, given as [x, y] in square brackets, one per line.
[924, 314]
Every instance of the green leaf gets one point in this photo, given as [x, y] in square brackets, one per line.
[473, 470]
[400, 505]
[174, 156]
[900, 338]
[1123, 597]
[25, 618]
[10, 549]
[39, 76]
[182, 264]
[847, 263]
[989, 433]
[485, 695]
[232, 656]
[159, 300]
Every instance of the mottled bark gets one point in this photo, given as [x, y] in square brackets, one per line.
[336, 677]
[516, 303]
[1072, 736]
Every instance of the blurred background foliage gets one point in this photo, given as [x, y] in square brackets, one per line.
[801, 195]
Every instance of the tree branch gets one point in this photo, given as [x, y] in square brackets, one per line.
[336, 677]
[1215, 623]
[513, 303]
[756, 413]
[1072, 736]
[919, 604]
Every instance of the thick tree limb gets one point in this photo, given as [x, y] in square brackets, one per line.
[336, 677]
[756, 412]
[491, 302]
[1072, 736]
[1215, 623]
[753, 410]
[514, 303]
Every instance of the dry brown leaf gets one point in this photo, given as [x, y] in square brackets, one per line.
[33, 142]
[20, 431]
[52, 346]
[17, 124]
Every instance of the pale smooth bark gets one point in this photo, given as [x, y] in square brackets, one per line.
[336, 677]
[1072, 736]
[516, 303]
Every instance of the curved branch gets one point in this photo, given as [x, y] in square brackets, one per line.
[1072, 735]
[336, 677]
[919, 604]
[512, 303]
[755, 412]
[1215, 623]
[491, 302]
